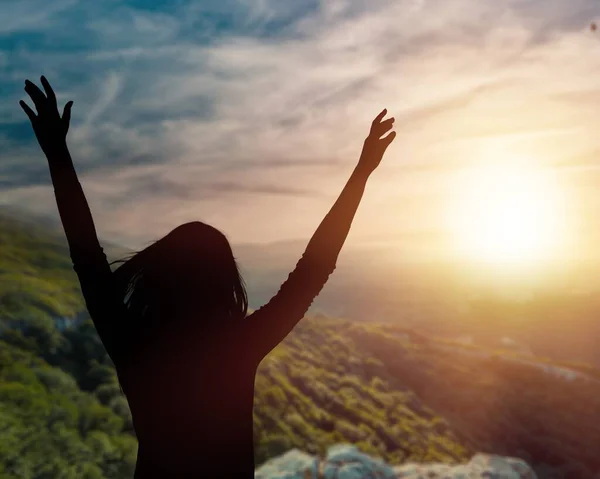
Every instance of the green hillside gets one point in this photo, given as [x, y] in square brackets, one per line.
[36, 274]
[50, 428]
[320, 387]
[392, 392]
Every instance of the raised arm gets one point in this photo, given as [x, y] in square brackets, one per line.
[270, 324]
[89, 260]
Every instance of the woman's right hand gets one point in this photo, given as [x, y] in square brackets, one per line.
[49, 127]
[375, 146]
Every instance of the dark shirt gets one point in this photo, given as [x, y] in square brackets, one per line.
[191, 390]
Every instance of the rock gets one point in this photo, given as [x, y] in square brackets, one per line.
[345, 461]
[481, 466]
[291, 465]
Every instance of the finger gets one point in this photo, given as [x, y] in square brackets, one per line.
[49, 91]
[38, 98]
[387, 140]
[385, 126]
[380, 116]
[30, 113]
[66, 116]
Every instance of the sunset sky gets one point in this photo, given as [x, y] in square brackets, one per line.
[250, 115]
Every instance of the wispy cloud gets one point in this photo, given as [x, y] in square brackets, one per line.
[31, 15]
[182, 108]
[110, 89]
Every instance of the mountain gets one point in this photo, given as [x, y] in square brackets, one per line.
[376, 282]
[373, 283]
[37, 281]
[395, 391]
[49, 229]
[402, 396]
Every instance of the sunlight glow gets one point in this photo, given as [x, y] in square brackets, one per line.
[508, 215]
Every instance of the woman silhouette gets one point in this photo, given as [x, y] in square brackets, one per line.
[173, 317]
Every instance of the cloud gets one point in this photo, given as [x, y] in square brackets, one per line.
[111, 86]
[31, 15]
[180, 107]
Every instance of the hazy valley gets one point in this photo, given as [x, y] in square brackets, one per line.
[422, 387]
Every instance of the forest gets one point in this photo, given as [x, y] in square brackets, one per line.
[394, 392]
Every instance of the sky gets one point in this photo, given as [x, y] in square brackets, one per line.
[251, 115]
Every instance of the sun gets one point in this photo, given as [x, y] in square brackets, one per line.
[507, 215]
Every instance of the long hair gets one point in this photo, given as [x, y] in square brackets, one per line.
[191, 267]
